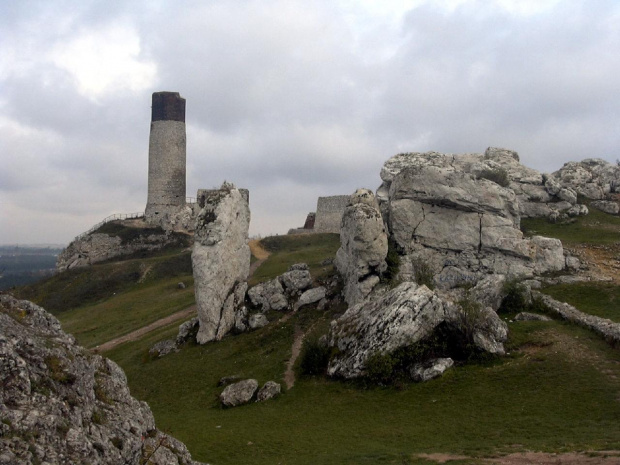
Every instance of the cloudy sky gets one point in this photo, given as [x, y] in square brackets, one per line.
[291, 99]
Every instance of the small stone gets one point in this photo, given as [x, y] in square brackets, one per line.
[258, 320]
[163, 348]
[527, 316]
[421, 372]
[181, 285]
[270, 390]
[311, 296]
[239, 393]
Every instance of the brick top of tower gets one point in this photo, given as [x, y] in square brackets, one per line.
[168, 106]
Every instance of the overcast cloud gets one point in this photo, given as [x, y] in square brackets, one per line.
[291, 99]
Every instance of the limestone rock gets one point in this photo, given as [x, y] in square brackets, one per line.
[258, 320]
[405, 315]
[363, 246]
[445, 215]
[593, 178]
[239, 393]
[606, 206]
[311, 296]
[296, 279]
[163, 348]
[270, 390]
[187, 331]
[527, 316]
[96, 247]
[221, 261]
[434, 368]
[268, 295]
[60, 403]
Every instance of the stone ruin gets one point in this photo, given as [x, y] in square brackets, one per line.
[327, 217]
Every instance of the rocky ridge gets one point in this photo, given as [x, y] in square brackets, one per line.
[61, 404]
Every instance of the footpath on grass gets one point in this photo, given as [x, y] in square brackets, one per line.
[257, 250]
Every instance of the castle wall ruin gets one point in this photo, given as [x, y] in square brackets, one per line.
[329, 212]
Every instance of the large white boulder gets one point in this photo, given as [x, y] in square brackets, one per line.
[221, 261]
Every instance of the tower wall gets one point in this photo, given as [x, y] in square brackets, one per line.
[167, 157]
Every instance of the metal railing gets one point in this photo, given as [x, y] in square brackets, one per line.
[116, 216]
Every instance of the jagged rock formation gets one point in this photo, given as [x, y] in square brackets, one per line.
[221, 261]
[403, 316]
[124, 238]
[282, 292]
[61, 404]
[593, 178]
[457, 225]
[364, 246]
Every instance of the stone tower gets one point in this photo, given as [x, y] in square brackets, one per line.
[166, 191]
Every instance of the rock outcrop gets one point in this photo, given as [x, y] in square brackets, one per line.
[282, 292]
[59, 403]
[403, 316]
[593, 178]
[363, 246]
[421, 372]
[221, 261]
[447, 217]
[606, 206]
[121, 238]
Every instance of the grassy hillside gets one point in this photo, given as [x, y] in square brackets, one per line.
[557, 390]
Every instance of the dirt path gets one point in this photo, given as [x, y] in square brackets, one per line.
[537, 458]
[257, 250]
[138, 333]
[289, 374]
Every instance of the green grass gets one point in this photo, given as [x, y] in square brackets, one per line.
[595, 298]
[95, 324]
[77, 287]
[285, 251]
[546, 400]
[596, 228]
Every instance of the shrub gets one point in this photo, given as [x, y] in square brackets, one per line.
[314, 357]
[423, 273]
[496, 175]
[380, 368]
[393, 262]
[515, 299]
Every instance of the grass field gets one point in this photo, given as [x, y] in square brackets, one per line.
[557, 390]
[596, 228]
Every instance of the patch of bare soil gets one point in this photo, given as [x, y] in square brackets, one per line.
[289, 374]
[603, 261]
[257, 249]
[569, 458]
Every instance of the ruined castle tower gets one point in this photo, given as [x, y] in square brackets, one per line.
[166, 192]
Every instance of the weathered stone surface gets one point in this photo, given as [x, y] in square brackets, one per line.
[442, 213]
[59, 403]
[296, 279]
[606, 206]
[405, 315]
[188, 331]
[363, 246]
[434, 368]
[239, 393]
[258, 320]
[270, 390]
[221, 261]
[592, 177]
[527, 316]
[606, 328]
[97, 247]
[329, 213]
[311, 296]
[268, 295]
[163, 348]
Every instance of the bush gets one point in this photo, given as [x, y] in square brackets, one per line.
[497, 175]
[393, 262]
[314, 357]
[380, 368]
[423, 273]
[515, 299]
